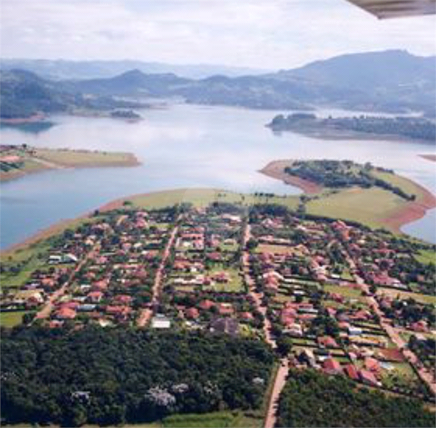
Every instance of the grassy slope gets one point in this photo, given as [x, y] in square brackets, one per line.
[367, 206]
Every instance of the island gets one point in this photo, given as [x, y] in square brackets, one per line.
[18, 161]
[357, 127]
[204, 307]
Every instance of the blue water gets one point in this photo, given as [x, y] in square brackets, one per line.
[181, 146]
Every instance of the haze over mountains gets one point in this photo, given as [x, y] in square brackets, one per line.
[66, 69]
[389, 81]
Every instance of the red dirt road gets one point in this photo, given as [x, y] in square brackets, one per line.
[147, 313]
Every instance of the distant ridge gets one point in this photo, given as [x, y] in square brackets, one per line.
[389, 81]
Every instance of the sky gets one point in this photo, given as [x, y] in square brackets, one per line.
[270, 34]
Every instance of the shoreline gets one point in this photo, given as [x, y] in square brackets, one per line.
[431, 158]
[61, 225]
[38, 117]
[411, 211]
[48, 165]
[274, 169]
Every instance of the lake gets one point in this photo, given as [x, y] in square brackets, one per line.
[182, 146]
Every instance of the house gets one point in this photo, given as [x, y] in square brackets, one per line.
[368, 378]
[351, 371]
[192, 313]
[225, 325]
[123, 299]
[420, 326]
[29, 296]
[206, 305]
[307, 356]
[225, 309]
[372, 365]
[327, 342]
[391, 354]
[160, 321]
[354, 331]
[331, 366]
[294, 329]
[95, 296]
[247, 316]
[66, 314]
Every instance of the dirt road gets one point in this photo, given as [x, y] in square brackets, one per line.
[147, 313]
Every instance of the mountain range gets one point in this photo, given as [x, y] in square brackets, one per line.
[388, 81]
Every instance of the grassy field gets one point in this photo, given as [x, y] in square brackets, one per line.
[348, 292]
[204, 197]
[366, 206]
[421, 298]
[77, 158]
[11, 319]
[426, 256]
[403, 183]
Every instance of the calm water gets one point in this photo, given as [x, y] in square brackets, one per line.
[182, 146]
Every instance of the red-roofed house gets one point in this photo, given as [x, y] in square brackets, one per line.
[372, 365]
[327, 341]
[192, 313]
[351, 371]
[66, 314]
[331, 366]
[368, 378]
[206, 305]
[95, 296]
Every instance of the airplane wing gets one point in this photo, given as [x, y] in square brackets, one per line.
[397, 8]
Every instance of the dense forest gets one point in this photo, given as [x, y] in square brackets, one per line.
[409, 127]
[341, 174]
[107, 377]
[311, 399]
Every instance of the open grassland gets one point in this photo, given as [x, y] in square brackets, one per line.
[366, 206]
[202, 198]
[82, 158]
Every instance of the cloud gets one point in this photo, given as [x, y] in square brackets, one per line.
[259, 33]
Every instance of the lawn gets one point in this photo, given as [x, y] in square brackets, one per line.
[212, 420]
[426, 256]
[235, 285]
[421, 298]
[351, 293]
[11, 319]
[277, 249]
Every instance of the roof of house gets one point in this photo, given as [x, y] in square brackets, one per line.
[351, 371]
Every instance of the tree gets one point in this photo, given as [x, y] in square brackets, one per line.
[284, 345]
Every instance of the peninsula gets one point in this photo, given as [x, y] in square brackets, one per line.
[357, 127]
[364, 193]
[18, 161]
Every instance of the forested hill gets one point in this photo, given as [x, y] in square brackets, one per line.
[393, 81]
[23, 94]
[369, 127]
